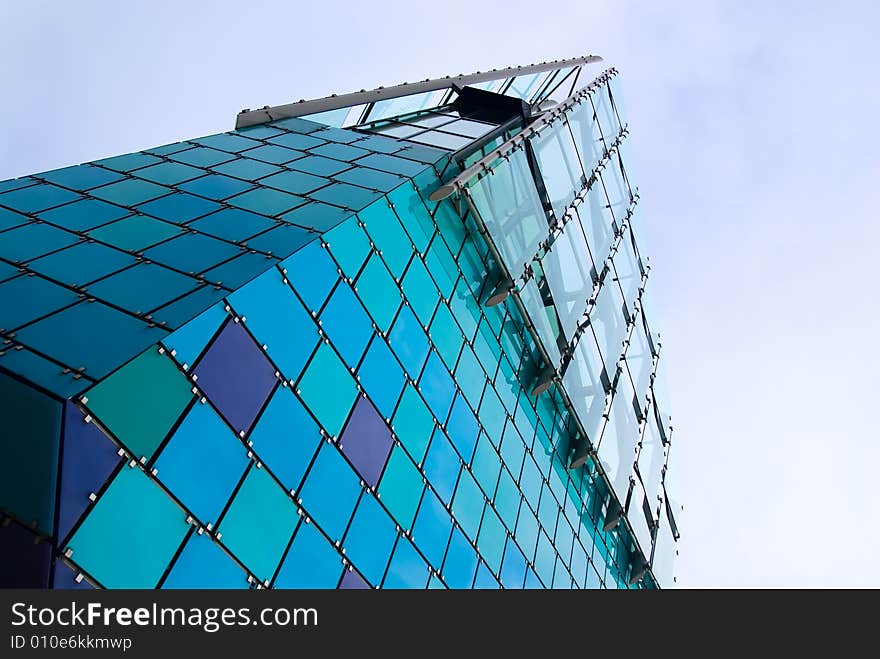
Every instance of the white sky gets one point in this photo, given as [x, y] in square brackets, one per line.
[754, 132]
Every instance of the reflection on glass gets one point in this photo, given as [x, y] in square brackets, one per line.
[639, 359]
[534, 305]
[559, 164]
[526, 86]
[567, 269]
[597, 223]
[607, 321]
[394, 107]
[626, 267]
[583, 384]
[638, 520]
[665, 551]
[651, 458]
[617, 448]
[442, 140]
[587, 135]
[617, 101]
[605, 113]
[616, 188]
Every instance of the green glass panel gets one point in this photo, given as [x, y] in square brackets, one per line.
[140, 402]
[413, 423]
[377, 290]
[328, 389]
[131, 535]
[259, 523]
[28, 453]
[419, 289]
[349, 245]
[387, 235]
[401, 487]
[135, 233]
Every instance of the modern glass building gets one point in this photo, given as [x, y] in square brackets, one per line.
[400, 338]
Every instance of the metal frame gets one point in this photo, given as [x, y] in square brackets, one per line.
[301, 108]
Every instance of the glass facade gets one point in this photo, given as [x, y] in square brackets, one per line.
[267, 358]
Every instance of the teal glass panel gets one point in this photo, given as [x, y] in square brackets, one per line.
[392, 164]
[273, 153]
[282, 240]
[461, 561]
[484, 579]
[408, 341]
[129, 192]
[413, 423]
[467, 505]
[486, 466]
[32, 240]
[442, 465]
[388, 236]
[169, 148]
[347, 324]
[513, 570]
[143, 287]
[470, 376]
[548, 511]
[446, 335]
[432, 529]
[379, 144]
[203, 564]
[328, 389]
[527, 532]
[202, 463]
[259, 132]
[179, 207]
[463, 428]
[128, 161]
[442, 266]
[420, 291]
[297, 125]
[83, 215]
[169, 173]
[10, 219]
[135, 233]
[37, 198]
[41, 372]
[227, 142]
[266, 201]
[141, 422]
[370, 539]
[545, 559]
[335, 134]
[349, 245]
[29, 465]
[450, 224]
[311, 561]
[259, 523]
[277, 320]
[340, 152]
[189, 341]
[346, 196]
[413, 215]
[319, 166]
[381, 376]
[232, 224]
[216, 186]
[26, 298]
[16, 183]
[507, 500]
[192, 252]
[372, 179]
[201, 156]
[131, 535]
[313, 274]
[108, 338]
[492, 415]
[407, 568]
[492, 539]
[423, 154]
[286, 438]
[295, 182]
[531, 299]
[401, 487]
[176, 313]
[80, 177]
[317, 216]
[377, 290]
[437, 386]
[296, 141]
[331, 491]
[246, 168]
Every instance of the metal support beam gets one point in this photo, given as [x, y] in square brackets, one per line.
[337, 101]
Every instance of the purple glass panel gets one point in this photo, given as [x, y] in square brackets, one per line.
[351, 580]
[366, 441]
[65, 579]
[88, 459]
[236, 376]
[24, 564]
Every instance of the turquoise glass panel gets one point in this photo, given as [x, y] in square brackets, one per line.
[135, 233]
[370, 539]
[246, 168]
[319, 166]
[232, 224]
[169, 173]
[467, 505]
[33, 240]
[179, 207]
[216, 186]
[409, 342]
[513, 570]
[432, 528]
[442, 465]
[282, 240]
[413, 423]
[82, 263]
[378, 291]
[388, 236]
[129, 161]
[201, 156]
[131, 535]
[339, 152]
[407, 568]
[259, 523]
[38, 198]
[492, 539]
[401, 487]
[484, 579]
[203, 564]
[189, 341]
[486, 466]
[419, 289]
[311, 562]
[227, 142]
[192, 252]
[507, 500]
[437, 386]
[130, 192]
[392, 164]
[346, 196]
[446, 335]
[317, 216]
[296, 141]
[313, 274]
[347, 324]
[349, 245]
[266, 201]
[328, 389]
[413, 215]
[331, 491]
[143, 287]
[82, 215]
[372, 179]
[80, 177]
[461, 561]
[381, 376]
[174, 314]
[26, 298]
[295, 182]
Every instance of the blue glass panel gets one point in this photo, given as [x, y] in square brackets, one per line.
[190, 340]
[286, 438]
[203, 564]
[192, 252]
[272, 153]
[10, 219]
[432, 529]
[484, 579]
[88, 460]
[266, 201]
[317, 216]
[407, 568]
[409, 342]
[345, 195]
[351, 580]
[135, 233]
[319, 166]
[349, 245]
[294, 182]
[442, 465]
[467, 505]
[420, 291]
[33, 240]
[84, 214]
[513, 570]
[282, 241]
[142, 287]
[26, 298]
[245, 168]
[169, 173]
[392, 164]
[437, 386]
[461, 561]
[470, 376]
[381, 376]
[202, 463]
[370, 539]
[216, 186]
[296, 141]
[486, 466]
[313, 274]
[200, 156]
[65, 578]
[228, 142]
[128, 161]
[347, 324]
[545, 559]
[311, 561]
[259, 523]
[130, 536]
[42, 372]
[366, 441]
[179, 207]
[175, 314]
[339, 151]
[130, 192]
[37, 198]
[238, 271]
[232, 224]
[236, 376]
[331, 491]
[16, 183]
